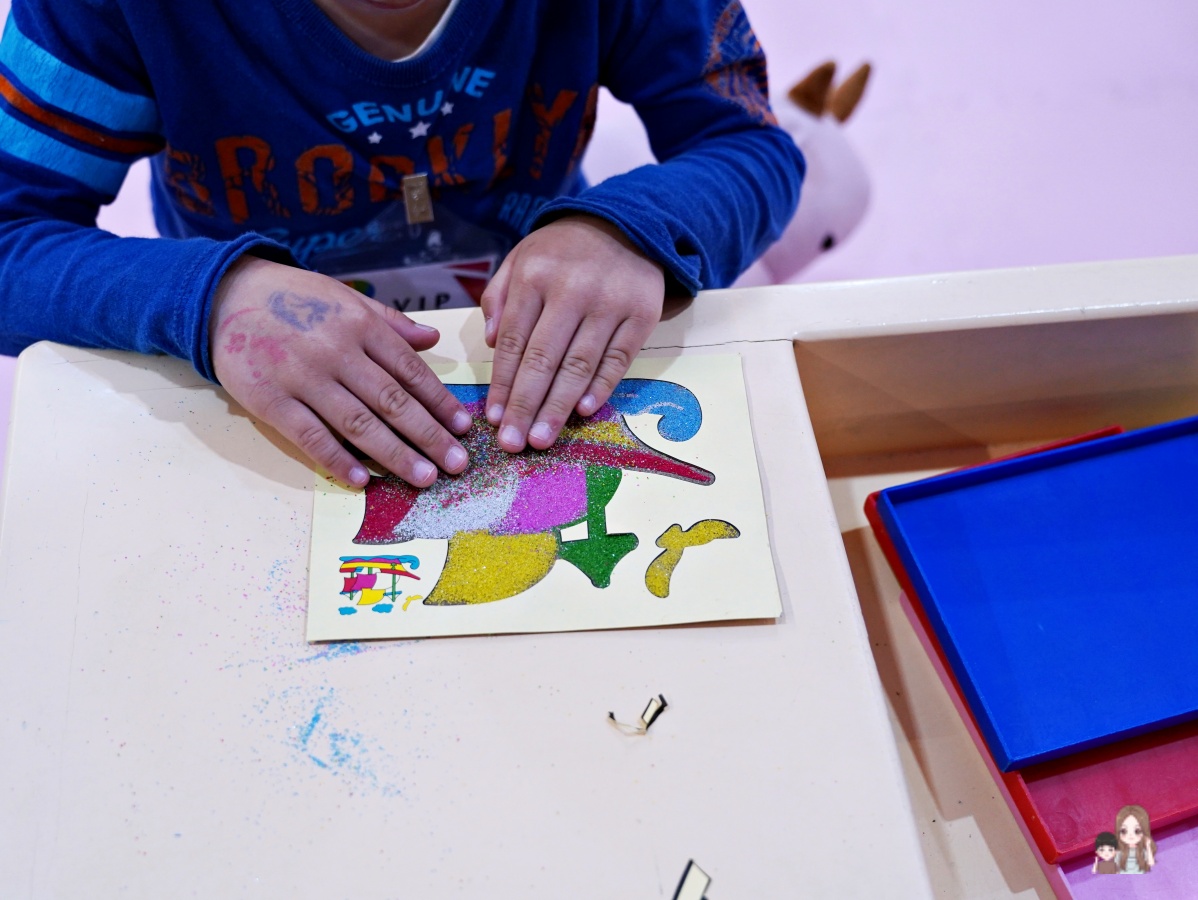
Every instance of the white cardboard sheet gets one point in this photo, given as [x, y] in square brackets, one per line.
[700, 530]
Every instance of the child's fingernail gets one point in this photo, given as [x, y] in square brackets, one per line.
[495, 414]
[424, 471]
[423, 327]
[511, 436]
[358, 475]
[541, 431]
[461, 421]
[455, 458]
[489, 327]
[587, 404]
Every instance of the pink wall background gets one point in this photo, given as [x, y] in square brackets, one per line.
[1000, 135]
[996, 135]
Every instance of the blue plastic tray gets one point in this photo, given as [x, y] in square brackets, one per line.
[1063, 588]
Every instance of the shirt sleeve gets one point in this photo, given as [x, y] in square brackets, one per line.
[75, 113]
[728, 178]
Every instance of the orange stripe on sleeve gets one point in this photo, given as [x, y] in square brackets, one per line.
[81, 133]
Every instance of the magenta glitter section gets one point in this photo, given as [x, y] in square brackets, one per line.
[547, 499]
[502, 493]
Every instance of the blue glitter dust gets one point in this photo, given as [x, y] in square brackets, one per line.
[468, 393]
[306, 731]
[335, 650]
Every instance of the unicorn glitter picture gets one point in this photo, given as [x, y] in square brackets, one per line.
[525, 542]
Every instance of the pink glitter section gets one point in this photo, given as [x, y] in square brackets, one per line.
[642, 460]
[547, 499]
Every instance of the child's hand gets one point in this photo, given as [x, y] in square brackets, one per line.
[567, 313]
[300, 350]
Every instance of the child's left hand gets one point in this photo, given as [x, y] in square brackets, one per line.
[567, 313]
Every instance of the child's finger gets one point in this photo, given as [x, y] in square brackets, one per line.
[494, 297]
[575, 374]
[419, 336]
[366, 431]
[542, 359]
[298, 424]
[400, 409]
[521, 311]
[409, 370]
[621, 350]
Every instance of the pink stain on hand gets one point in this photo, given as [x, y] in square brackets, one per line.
[271, 346]
[236, 343]
[224, 326]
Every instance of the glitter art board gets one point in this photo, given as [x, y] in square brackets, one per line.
[647, 513]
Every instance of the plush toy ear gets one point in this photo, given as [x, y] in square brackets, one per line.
[811, 94]
[845, 98]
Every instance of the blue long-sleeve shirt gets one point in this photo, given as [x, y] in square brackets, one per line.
[271, 132]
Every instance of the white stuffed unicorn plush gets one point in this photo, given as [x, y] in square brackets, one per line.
[836, 190]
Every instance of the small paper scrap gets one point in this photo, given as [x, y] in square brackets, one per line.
[655, 708]
[694, 883]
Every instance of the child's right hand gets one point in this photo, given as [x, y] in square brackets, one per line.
[299, 350]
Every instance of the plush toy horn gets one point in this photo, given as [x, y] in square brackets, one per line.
[836, 189]
[811, 94]
[845, 98]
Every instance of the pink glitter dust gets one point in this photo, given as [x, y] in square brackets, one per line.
[503, 493]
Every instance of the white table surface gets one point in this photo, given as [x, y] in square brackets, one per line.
[168, 732]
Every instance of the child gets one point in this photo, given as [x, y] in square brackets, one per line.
[1137, 850]
[1105, 848]
[280, 133]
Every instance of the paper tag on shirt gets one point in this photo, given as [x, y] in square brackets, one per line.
[415, 266]
[446, 285]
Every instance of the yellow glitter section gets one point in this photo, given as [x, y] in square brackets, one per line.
[674, 540]
[371, 596]
[482, 567]
[600, 433]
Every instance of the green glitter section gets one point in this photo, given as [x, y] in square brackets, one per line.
[599, 553]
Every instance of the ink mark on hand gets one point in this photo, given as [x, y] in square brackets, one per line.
[301, 313]
[271, 347]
